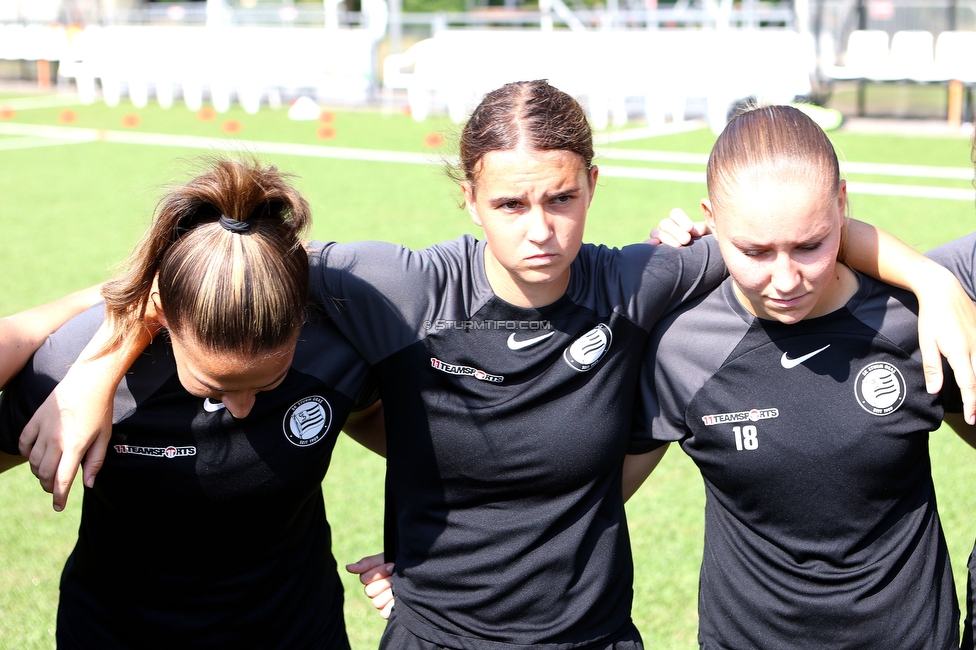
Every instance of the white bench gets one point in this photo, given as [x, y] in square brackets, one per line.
[250, 62]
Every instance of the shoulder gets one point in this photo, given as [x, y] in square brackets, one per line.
[349, 256]
[959, 256]
[62, 348]
[888, 310]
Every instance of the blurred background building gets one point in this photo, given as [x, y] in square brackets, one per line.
[654, 60]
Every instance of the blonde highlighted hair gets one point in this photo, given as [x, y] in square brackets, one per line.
[243, 293]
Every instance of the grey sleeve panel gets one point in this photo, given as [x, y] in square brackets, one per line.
[384, 297]
[651, 281]
[959, 256]
[684, 351]
[27, 391]
[644, 281]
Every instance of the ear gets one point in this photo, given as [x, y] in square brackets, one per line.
[706, 207]
[594, 173]
[155, 308]
[469, 201]
[842, 198]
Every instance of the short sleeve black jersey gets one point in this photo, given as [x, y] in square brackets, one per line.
[959, 256]
[506, 430]
[821, 528]
[203, 531]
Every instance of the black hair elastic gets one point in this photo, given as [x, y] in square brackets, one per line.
[234, 225]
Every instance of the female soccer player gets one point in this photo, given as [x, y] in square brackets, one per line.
[803, 403]
[207, 527]
[508, 370]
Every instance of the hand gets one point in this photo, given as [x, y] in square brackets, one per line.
[947, 327]
[677, 230]
[375, 575]
[73, 423]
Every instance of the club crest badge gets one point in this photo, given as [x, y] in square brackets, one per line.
[307, 421]
[880, 388]
[586, 351]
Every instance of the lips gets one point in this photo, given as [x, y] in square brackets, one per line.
[786, 303]
[540, 260]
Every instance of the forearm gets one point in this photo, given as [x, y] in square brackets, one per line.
[883, 256]
[637, 467]
[367, 428]
[24, 332]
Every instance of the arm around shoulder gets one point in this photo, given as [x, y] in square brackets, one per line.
[22, 333]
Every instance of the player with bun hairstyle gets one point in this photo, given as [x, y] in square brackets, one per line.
[803, 403]
[508, 372]
[207, 526]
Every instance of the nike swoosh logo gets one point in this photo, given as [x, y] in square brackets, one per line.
[211, 406]
[527, 343]
[793, 363]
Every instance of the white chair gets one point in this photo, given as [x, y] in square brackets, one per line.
[955, 55]
[867, 57]
[912, 57]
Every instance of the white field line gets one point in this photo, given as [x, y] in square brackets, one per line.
[282, 148]
[41, 101]
[648, 132]
[876, 169]
[854, 187]
[216, 144]
[33, 143]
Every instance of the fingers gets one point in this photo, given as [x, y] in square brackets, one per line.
[966, 379]
[28, 437]
[95, 457]
[931, 362]
[676, 230]
[379, 574]
[365, 564]
[375, 574]
[681, 221]
[383, 600]
[44, 460]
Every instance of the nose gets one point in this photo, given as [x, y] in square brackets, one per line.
[539, 228]
[239, 404]
[785, 275]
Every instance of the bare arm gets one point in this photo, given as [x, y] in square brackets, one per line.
[366, 427]
[75, 421]
[946, 314]
[22, 333]
[637, 467]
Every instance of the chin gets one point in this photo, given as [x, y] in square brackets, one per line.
[787, 317]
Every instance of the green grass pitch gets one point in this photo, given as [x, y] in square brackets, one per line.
[71, 208]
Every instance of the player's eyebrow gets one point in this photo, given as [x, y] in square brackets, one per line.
[218, 389]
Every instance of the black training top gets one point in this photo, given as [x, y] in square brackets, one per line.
[959, 256]
[203, 531]
[821, 527]
[506, 430]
